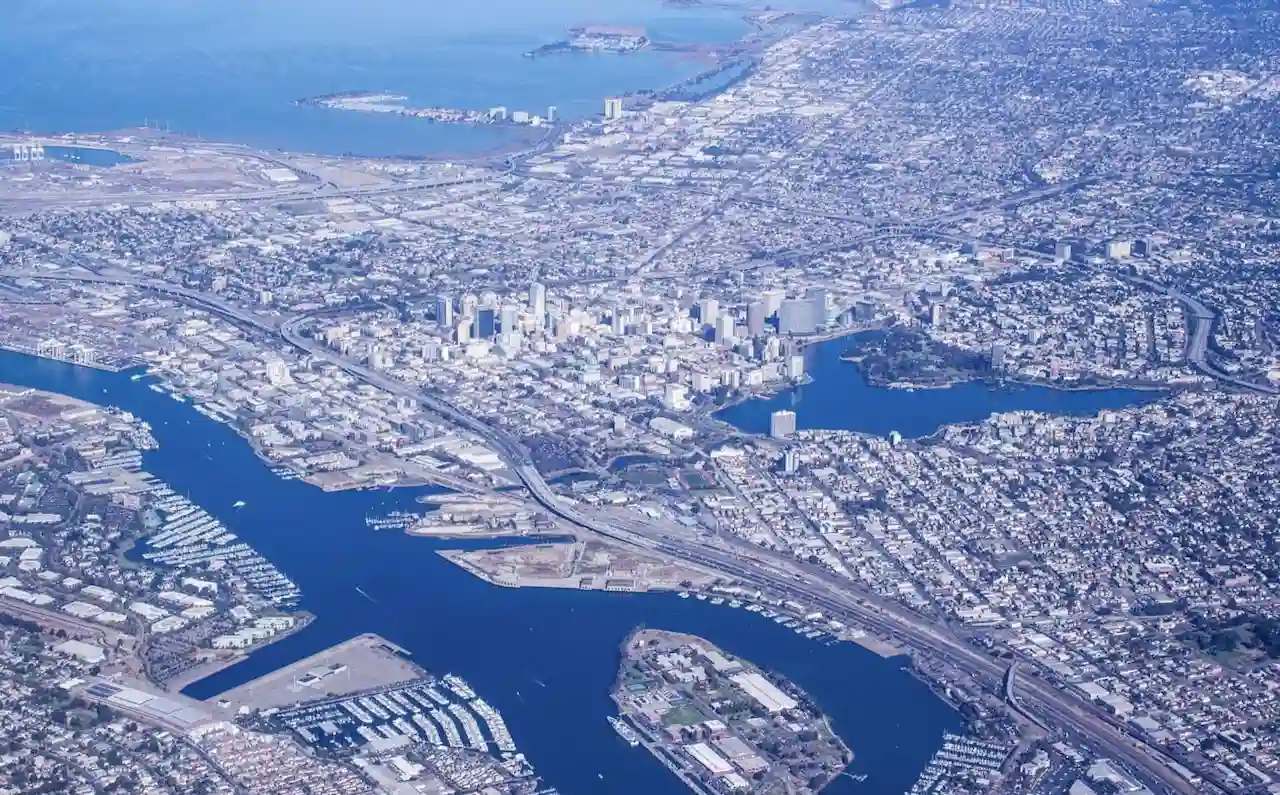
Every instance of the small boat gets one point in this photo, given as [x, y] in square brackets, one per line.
[238, 504]
[360, 591]
[136, 377]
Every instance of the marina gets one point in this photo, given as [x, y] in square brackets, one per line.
[189, 537]
[416, 724]
[960, 761]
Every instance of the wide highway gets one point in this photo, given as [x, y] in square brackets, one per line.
[780, 575]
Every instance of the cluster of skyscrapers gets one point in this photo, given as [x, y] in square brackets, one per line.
[481, 318]
[484, 318]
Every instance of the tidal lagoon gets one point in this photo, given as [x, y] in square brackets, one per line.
[839, 398]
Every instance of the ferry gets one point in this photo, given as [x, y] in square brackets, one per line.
[624, 731]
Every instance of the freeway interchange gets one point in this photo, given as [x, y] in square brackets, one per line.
[779, 576]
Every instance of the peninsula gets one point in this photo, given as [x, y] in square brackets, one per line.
[596, 38]
[718, 722]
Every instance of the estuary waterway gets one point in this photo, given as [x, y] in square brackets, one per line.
[839, 398]
[229, 70]
[545, 658]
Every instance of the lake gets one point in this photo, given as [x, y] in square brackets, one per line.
[839, 398]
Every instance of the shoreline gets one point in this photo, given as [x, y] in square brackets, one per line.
[106, 367]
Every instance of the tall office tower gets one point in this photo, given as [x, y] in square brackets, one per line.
[444, 311]
[538, 303]
[724, 329]
[552, 111]
[489, 298]
[795, 316]
[782, 424]
[790, 462]
[755, 318]
[708, 310]
[795, 366]
[613, 108]
[817, 297]
[469, 304]
[462, 330]
[997, 357]
[938, 315]
[485, 324]
[1062, 251]
[509, 319]
[619, 320]
[772, 301]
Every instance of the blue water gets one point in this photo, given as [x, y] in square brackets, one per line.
[229, 70]
[86, 156]
[839, 398]
[502, 641]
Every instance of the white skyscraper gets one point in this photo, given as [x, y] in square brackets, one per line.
[782, 424]
[613, 108]
[538, 303]
[724, 329]
[772, 301]
[795, 366]
[508, 319]
[708, 311]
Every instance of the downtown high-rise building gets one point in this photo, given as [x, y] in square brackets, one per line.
[444, 311]
[538, 303]
[756, 317]
[708, 311]
[782, 424]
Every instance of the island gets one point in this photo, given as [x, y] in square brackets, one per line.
[720, 723]
[909, 359]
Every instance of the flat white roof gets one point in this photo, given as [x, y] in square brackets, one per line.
[709, 759]
[762, 690]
